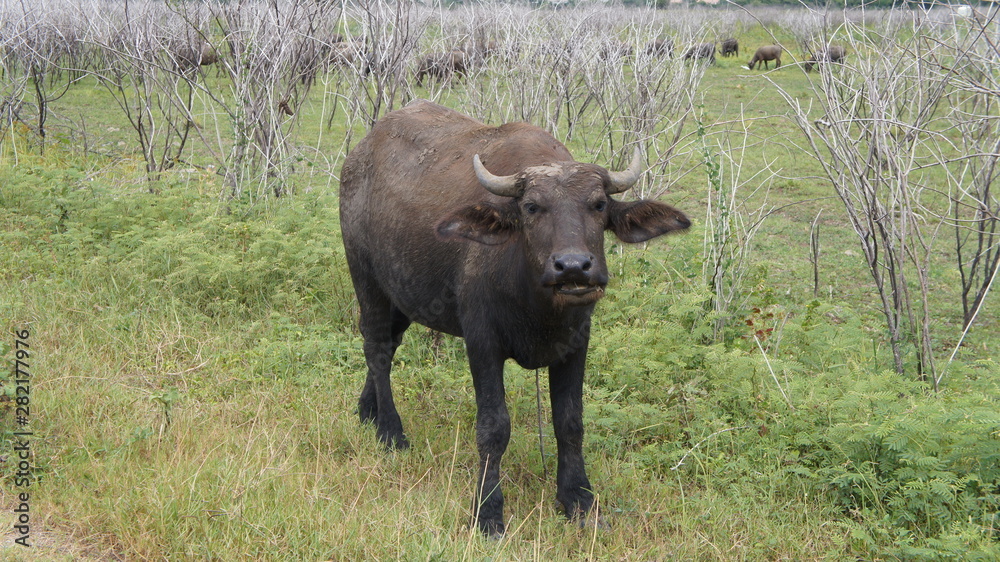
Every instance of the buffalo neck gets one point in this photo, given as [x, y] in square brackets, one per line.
[544, 331]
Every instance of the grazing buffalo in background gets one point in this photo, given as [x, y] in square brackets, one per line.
[494, 234]
[730, 47]
[701, 51]
[660, 47]
[188, 57]
[442, 66]
[765, 54]
[833, 53]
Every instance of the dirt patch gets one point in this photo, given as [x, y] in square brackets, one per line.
[48, 545]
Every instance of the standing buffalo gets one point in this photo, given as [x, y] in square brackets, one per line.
[442, 66]
[512, 262]
[764, 54]
[730, 47]
[833, 53]
[701, 51]
[660, 47]
[189, 57]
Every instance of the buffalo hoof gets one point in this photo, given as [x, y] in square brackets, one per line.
[394, 441]
[491, 529]
[367, 412]
[592, 521]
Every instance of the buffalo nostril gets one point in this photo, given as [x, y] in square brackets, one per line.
[570, 263]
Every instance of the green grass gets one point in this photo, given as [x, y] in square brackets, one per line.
[196, 370]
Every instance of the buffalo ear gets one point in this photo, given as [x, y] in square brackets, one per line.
[638, 221]
[483, 222]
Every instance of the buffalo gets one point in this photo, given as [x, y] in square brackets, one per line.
[701, 51]
[189, 57]
[765, 54]
[496, 235]
[729, 47]
[442, 66]
[660, 47]
[833, 53]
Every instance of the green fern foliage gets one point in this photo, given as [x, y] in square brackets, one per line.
[915, 474]
[795, 404]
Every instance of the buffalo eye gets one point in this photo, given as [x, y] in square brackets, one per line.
[600, 206]
[531, 208]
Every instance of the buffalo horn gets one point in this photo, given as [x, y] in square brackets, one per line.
[505, 186]
[621, 181]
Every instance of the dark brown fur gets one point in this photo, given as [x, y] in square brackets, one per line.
[189, 57]
[517, 276]
[660, 47]
[701, 51]
[833, 53]
[765, 54]
[730, 47]
[442, 66]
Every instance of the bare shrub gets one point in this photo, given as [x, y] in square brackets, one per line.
[560, 80]
[805, 26]
[271, 55]
[390, 35]
[883, 135]
[974, 110]
[14, 85]
[141, 72]
[36, 42]
[737, 208]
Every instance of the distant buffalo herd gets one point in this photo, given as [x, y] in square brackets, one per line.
[456, 62]
[445, 65]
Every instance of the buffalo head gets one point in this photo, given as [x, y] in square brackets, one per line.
[558, 213]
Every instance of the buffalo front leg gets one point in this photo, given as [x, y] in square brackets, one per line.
[566, 393]
[382, 326]
[492, 436]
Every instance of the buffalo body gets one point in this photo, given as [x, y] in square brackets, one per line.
[833, 53]
[730, 47]
[765, 54]
[701, 51]
[660, 48]
[513, 262]
[442, 66]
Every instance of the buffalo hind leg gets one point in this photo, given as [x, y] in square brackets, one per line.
[382, 326]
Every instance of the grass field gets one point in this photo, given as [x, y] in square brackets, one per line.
[195, 366]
